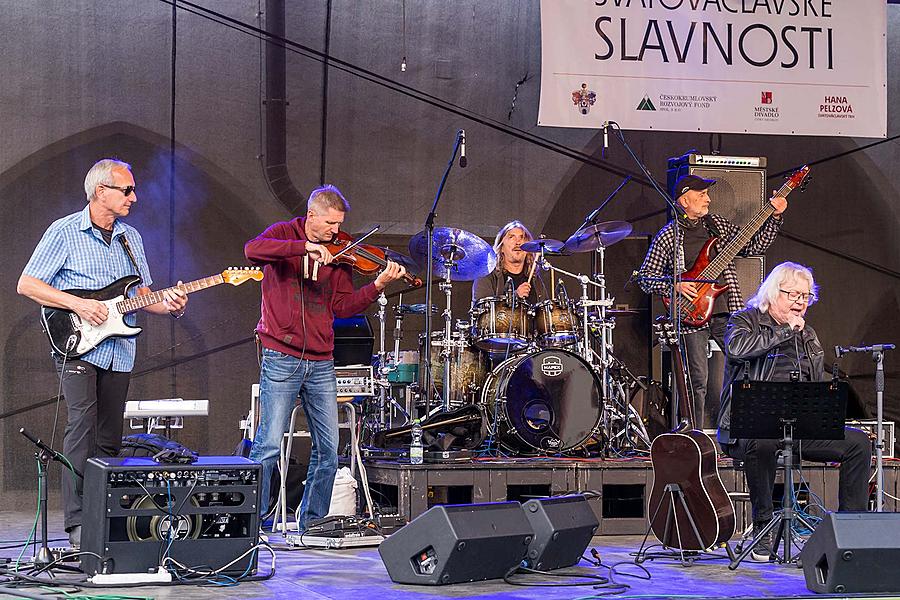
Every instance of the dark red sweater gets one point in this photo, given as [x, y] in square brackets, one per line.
[297, 315]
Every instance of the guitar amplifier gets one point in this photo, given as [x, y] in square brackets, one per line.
[355, 381]
[133, 506]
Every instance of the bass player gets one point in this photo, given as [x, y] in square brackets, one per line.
[695, 228]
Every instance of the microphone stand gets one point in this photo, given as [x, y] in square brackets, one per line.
[678, 211]
[429, 273]
[44, 456]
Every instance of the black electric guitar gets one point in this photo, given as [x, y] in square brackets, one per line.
[686, 458]
[71, 336]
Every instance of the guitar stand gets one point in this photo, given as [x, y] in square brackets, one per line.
[675, 495]
[784, 518]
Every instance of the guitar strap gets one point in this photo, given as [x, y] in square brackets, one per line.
[125, 245]
[711, 226]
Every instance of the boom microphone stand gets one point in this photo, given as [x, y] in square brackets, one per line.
[429, 273]
[877, 351]
[44, 456]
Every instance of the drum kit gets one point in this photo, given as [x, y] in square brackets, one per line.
[545, 373]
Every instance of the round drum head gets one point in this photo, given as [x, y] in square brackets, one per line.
[552, 400]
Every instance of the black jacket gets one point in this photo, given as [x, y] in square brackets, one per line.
[749, 339]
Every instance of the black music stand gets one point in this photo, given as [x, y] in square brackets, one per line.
[773, 410]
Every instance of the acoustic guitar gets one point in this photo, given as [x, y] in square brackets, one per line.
[688, 506]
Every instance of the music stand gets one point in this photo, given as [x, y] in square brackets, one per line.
[773, 410]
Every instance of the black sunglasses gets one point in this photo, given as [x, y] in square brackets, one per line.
[127, 190]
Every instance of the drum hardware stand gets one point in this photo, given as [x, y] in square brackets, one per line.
[447, 287]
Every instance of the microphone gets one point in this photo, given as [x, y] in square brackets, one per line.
[839, 351]
[463, 161]
[605, 138]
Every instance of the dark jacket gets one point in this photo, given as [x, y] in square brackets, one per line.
[750, 337]
[297, 315]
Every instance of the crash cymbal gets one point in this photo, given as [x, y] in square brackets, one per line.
[550, 246]
[592, 237]
[469, 256]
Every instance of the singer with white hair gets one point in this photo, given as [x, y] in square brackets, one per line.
[771, 341]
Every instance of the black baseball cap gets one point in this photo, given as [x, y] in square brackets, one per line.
[691, 182]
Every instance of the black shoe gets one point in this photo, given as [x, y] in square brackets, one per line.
[763, 551]
[75, 537]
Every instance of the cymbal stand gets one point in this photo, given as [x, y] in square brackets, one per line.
[447, 287]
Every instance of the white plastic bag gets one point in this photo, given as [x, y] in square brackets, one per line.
[343, 494]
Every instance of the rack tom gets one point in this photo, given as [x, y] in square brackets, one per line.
[500, 327]
[555, 324]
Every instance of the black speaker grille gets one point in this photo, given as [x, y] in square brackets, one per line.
[738, 193]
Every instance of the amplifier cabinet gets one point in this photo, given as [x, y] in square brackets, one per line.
[203, 515]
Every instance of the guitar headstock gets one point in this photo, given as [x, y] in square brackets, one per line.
[664, 330]
[799, 179]
[238, 275]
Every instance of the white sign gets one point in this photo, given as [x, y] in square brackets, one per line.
[810, 67]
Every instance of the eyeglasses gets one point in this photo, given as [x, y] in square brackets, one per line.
[793, 296]
[127, 190]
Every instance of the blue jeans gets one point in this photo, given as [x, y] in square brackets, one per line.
[282, 378]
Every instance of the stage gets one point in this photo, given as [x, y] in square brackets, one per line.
[359, 573]
[617, 493]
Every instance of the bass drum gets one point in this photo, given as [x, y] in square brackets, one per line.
[544, 402]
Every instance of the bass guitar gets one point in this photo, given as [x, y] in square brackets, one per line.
[697, 312]
[72, 337]
[688, 506]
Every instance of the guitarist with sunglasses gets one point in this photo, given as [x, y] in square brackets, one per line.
[695, 228]
[84, 251]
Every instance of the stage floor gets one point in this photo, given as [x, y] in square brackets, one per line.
[359, 573]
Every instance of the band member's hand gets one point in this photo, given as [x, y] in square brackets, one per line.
[175, 300]
[688, 289]
[796, 322]
[779, 203]
[92, 311]
[392, 272]
[319, 253]
[523, 290]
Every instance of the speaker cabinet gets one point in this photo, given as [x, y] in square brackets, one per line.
[137, 511]
[852, 553]
[458, 543]
[563, 528]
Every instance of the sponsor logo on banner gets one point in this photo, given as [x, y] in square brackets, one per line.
[767, 110]
[836, 107]
[551, 366]
[646, 104]
[584, 99]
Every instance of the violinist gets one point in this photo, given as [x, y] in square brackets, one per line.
[296, 334]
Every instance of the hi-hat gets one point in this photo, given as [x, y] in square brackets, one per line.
[552, 246]
[592, 237]
[467, 255]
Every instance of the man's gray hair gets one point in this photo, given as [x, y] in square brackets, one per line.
[325, 197]
[784, 273]
[100, 173]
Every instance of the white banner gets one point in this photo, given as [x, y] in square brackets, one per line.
[810, 67]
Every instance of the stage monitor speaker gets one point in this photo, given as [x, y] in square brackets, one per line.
[851, 553]
[131, 506]
[563, 528]
[458, 543]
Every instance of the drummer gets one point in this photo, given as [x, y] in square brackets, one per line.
[513, 265]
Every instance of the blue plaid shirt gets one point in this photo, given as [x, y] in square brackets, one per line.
[73, 255]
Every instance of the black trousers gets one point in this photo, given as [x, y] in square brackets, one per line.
[95, 403]
[699, 376]
[854, 453]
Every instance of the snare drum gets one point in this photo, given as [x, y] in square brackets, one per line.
[499, 327]
[468, 367]
[555, 324]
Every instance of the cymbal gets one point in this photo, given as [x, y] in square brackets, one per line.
[592, 237]
[552, 246]
[470, 257]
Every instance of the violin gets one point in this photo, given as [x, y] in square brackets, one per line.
[364, 258]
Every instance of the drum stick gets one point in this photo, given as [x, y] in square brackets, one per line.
[531, 272]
